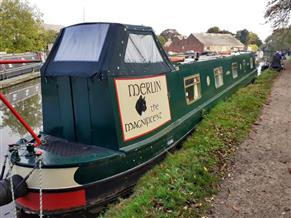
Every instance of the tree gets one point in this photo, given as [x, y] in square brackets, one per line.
[279, 40]
[162, 39]
[226, 32]
[50, 36]
[278, 12]
[248, 38]
[243, 36]
[21, 27]
[253, 47]
[253, 39]
[214, 29]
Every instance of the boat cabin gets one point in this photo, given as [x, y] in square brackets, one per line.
[85, 74]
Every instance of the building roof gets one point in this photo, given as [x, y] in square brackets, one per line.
[212, 39]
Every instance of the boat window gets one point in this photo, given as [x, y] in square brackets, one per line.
[244, 65]
[82, 43]
[244, 62]
[251, 63]
[234, 70]
[218, 76]
[142, 49]
[192, 88]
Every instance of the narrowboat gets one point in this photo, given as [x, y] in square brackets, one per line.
[113, 105]
[13, 65]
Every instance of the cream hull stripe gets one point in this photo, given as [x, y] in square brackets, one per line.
[56, 178]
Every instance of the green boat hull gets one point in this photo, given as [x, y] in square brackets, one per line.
[97, 176]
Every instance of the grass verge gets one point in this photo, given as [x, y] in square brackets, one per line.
[184, 183]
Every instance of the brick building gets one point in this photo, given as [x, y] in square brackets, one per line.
[203, 42]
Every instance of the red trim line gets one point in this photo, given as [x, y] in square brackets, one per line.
[19, 61]
[54, 201]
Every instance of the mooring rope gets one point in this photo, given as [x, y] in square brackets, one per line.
[40, 187]
[12, 187]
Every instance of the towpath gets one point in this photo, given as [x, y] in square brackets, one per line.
[259, 181]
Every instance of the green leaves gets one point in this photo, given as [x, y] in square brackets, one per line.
[248, 38]
[21, 28]
[162, 40]
[278, 12]
[279, 40]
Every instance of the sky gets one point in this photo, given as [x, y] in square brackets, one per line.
[186, 16]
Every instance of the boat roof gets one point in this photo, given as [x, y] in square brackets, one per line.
[106, 49]
[128, 26]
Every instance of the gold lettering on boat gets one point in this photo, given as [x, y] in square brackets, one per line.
[143, 105]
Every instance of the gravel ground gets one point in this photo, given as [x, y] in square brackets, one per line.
[259, 180]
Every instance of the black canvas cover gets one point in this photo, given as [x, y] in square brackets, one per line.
[106, 49]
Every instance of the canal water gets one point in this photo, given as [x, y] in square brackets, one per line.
[26, 99]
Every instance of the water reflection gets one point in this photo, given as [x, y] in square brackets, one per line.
[30, 111]
[26, 99]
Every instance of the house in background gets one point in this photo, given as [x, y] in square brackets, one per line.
[219, 43]
[203, 42]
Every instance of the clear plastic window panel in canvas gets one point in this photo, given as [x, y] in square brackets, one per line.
[142, 49]
[82, 43]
